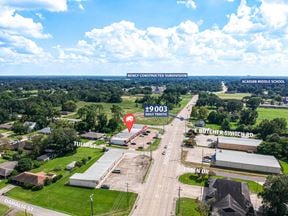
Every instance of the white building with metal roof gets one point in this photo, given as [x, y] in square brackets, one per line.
[92, 176]
[239, 144]
[247, 161]
[125, 136]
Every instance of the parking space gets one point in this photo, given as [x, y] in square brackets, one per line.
[205, 140]
[195, 155]
[131, 170]
[144, 140]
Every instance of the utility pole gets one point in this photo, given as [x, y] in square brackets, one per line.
[179, 200]
[127, 186]
[150, 152]
[91, 202]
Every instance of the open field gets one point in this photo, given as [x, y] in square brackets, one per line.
[237, 96]
[188, 207]
[192, 179]
[75, 200]
[129, 106]
[270, 113]
[3, 209]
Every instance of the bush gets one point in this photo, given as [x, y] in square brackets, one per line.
[79, 163]
[37, 187]
[27, 185]
[14, 173]
[57, 169]
[89, 158]
[37, 164]
[56, 178]
[48, 181]
[84, 160]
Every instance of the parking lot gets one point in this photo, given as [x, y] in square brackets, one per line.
[144, 140]
[133, 168]
[205, 140]
[194, 155]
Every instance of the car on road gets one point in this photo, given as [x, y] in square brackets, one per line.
[133, 143]
[117, 171]
[163, 153]
[148, 143]
[105, 187]
[165, 147]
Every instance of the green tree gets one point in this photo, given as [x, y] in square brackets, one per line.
[69, 106]
[194, 112]
[203, 112]
[225, 125]
[248, 117]
[275, 195]
[253, 102]
[24, 164]
[19, 129]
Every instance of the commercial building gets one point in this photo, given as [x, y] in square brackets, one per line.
[239, 144]
[125, 136]
[229, 198]
[246, 161]
[91, 177]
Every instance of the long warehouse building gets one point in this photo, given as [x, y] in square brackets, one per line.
[239, 144]
[92, 176]
[125, 136]
[246, 161]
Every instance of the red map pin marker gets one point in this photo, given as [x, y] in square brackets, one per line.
[129, 120]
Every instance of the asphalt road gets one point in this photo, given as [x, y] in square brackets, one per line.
[160, 190]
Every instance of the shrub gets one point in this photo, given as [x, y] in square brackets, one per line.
[27, 185]
[89, 158]
[79, 163]
[37, 187]
[56, 178]
[84, 160]
[57, 169]
[48, 181]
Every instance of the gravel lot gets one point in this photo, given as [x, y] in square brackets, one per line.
[133, 168]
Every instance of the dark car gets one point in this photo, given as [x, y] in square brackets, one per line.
[105, 187]
[117, 171]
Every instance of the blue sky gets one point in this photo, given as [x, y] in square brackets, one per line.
[113, 37]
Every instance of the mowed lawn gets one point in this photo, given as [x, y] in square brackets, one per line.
[237, 96]
[188, 207]
[75, 200]
[3, 209]
[192, 179]
[129, 106]
[270, 113]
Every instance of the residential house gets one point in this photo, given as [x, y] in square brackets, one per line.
[7, 168]
[229, 198]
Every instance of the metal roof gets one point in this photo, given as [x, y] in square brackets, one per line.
[239, 141]
[125, 134]
[247, 158]
[100, 167]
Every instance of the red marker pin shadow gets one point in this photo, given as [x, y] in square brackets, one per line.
[129, 120]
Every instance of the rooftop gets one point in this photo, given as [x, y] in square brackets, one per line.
[100, 167]
[125, 134]
[92, 135]
[247, 158]
[240, 141]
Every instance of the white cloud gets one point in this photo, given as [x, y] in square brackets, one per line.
[50, 5]
[11, 21]
[188, 3]
[275, 12]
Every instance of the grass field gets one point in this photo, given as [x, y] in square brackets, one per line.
[75, 200]
[23, 214]
[129, 106]
[237, 96]
[270, 113]
[192, 179]
[3, 209]
[188, 207]
[284, 165]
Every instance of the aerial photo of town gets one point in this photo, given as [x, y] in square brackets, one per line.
[143, 108]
